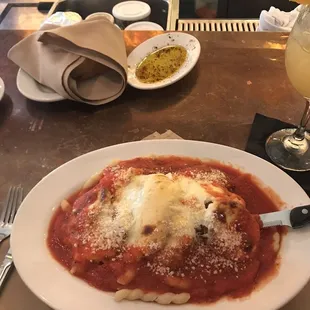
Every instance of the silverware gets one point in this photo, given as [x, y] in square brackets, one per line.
[14, 199]
[5, 267]
[295, 218]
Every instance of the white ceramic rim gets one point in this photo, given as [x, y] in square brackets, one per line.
[106, 15]
[151, 26]
[2, 88]
[30, 88]
[186, 40]
[55, 286]
[133, 16]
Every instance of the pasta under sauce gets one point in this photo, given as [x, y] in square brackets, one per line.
[202, 272]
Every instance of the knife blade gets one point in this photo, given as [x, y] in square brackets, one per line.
[295, 218]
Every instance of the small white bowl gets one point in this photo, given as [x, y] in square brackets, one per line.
[2, 89]
[144, 26]
[129, 12]
[190, 43]
[99, 15]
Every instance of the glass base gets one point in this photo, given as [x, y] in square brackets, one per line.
[298, 159]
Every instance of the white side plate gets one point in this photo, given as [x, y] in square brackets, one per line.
[33, 90]
[2, 88]
[190, 43]
[62, 291]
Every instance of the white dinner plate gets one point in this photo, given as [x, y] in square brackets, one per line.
[59, 289]
[2, 88]
[190, 43]
[33, 90]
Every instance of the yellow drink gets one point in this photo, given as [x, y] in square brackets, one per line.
[290, 148]
[297, 62]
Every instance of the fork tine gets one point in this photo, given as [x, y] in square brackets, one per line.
[21, 196]
[13, 208]
[11, 203]
[16, 203]
[6, 206]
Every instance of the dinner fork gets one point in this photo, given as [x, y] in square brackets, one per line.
[13, 201]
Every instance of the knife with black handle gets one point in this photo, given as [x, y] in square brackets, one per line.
[295, 218]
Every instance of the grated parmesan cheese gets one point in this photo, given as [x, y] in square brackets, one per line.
[173, 205]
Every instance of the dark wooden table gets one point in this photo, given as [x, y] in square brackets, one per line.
[238, 74]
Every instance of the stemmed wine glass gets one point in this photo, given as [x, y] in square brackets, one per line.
[290, 148]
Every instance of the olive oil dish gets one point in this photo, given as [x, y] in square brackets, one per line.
[162, 60]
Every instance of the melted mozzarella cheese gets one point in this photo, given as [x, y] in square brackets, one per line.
[191, 189]
[157, 211]
[150, 199]
[162, 208]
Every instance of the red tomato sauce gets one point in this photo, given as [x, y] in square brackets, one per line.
[205, 285]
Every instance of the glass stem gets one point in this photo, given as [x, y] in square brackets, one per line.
[299, 134]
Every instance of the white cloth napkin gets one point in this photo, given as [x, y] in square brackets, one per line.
[276, 20]
[85, 62]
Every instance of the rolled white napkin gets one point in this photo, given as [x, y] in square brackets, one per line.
[276, 20]
[85, 61]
